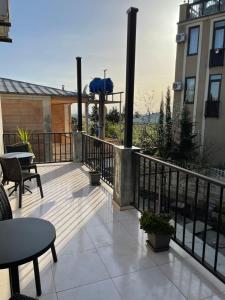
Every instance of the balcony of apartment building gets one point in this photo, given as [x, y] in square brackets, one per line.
[102, 253]
[197, 9]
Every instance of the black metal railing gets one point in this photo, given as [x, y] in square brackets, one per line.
[48, 147]
[195, 202]
[202, 8]
[98, 155]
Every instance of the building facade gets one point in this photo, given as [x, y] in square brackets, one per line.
[200, 74]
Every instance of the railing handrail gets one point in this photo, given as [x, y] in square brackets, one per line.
[98, 139]
[54, 132]
[200, 176]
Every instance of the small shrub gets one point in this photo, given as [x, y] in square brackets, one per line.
[156, 223]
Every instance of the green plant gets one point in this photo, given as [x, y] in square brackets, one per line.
[24, 137]
[156, 223]
[168, 125]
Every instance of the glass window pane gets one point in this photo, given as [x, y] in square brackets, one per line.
[216, 77]
[190, 90]
[214, 91]
[220, 24]
[193, 41]
[219, 39]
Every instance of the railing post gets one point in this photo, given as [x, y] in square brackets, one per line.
[124, 176]
[77, 146]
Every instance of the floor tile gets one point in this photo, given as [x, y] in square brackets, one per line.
[119, 259]
[77, 270]
[146, 284]
[99, 291]
[109, 234]
[73, 241]
[189, 281]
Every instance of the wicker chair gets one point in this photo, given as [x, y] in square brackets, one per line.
[12, 171]
[5, 208]
[25, 162]
[21, 297]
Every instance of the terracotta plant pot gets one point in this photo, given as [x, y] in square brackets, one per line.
[94, 177]
[159, 242]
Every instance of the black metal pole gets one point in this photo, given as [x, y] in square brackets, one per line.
[130, 73]
[79, 95]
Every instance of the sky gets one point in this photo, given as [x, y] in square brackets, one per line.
[48, 35]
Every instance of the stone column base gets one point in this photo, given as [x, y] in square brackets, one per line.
[123, 191]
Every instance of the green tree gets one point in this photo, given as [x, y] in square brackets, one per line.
[187, 147]
[160, 131]
[137, 115]
[168, 125]
[94, 117]
[113, 116]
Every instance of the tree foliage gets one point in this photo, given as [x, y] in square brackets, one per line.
[94, 116]
[113, 116]
[168, 125]
[160, 131]
[187, 147]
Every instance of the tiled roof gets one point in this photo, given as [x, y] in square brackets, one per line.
[9, 86]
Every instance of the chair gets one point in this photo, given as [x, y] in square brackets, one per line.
[6, 214]
[12, 171]
[25, 162]
[21, 297]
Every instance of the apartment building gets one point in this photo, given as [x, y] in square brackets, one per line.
[200, 73]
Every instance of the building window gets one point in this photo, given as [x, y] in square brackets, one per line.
[219, 33]
[193, 40]
[189, 90]
[214, 87]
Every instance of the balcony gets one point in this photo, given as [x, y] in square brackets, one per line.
[197, 9]
[212, 109]
[216, 58]
[101, 250]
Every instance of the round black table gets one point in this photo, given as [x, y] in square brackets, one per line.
[23, 240]
[18, 155]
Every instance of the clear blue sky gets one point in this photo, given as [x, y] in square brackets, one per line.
[48, 35]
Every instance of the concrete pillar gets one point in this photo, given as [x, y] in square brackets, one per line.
[47, 127]
[123, 176]
[77, 146]
[1, 130]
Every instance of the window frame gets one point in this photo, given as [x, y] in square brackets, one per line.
[209, 87]
[214, 34]
[189, 40]
[185, 91]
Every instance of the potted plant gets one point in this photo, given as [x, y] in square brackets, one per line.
[94, 177]
[158, 228]
[24, 137]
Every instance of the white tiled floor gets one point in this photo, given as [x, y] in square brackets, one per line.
[102, 253]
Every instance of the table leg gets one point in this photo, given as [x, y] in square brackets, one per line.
[14, 280]
[54, 253]
[37, 277]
